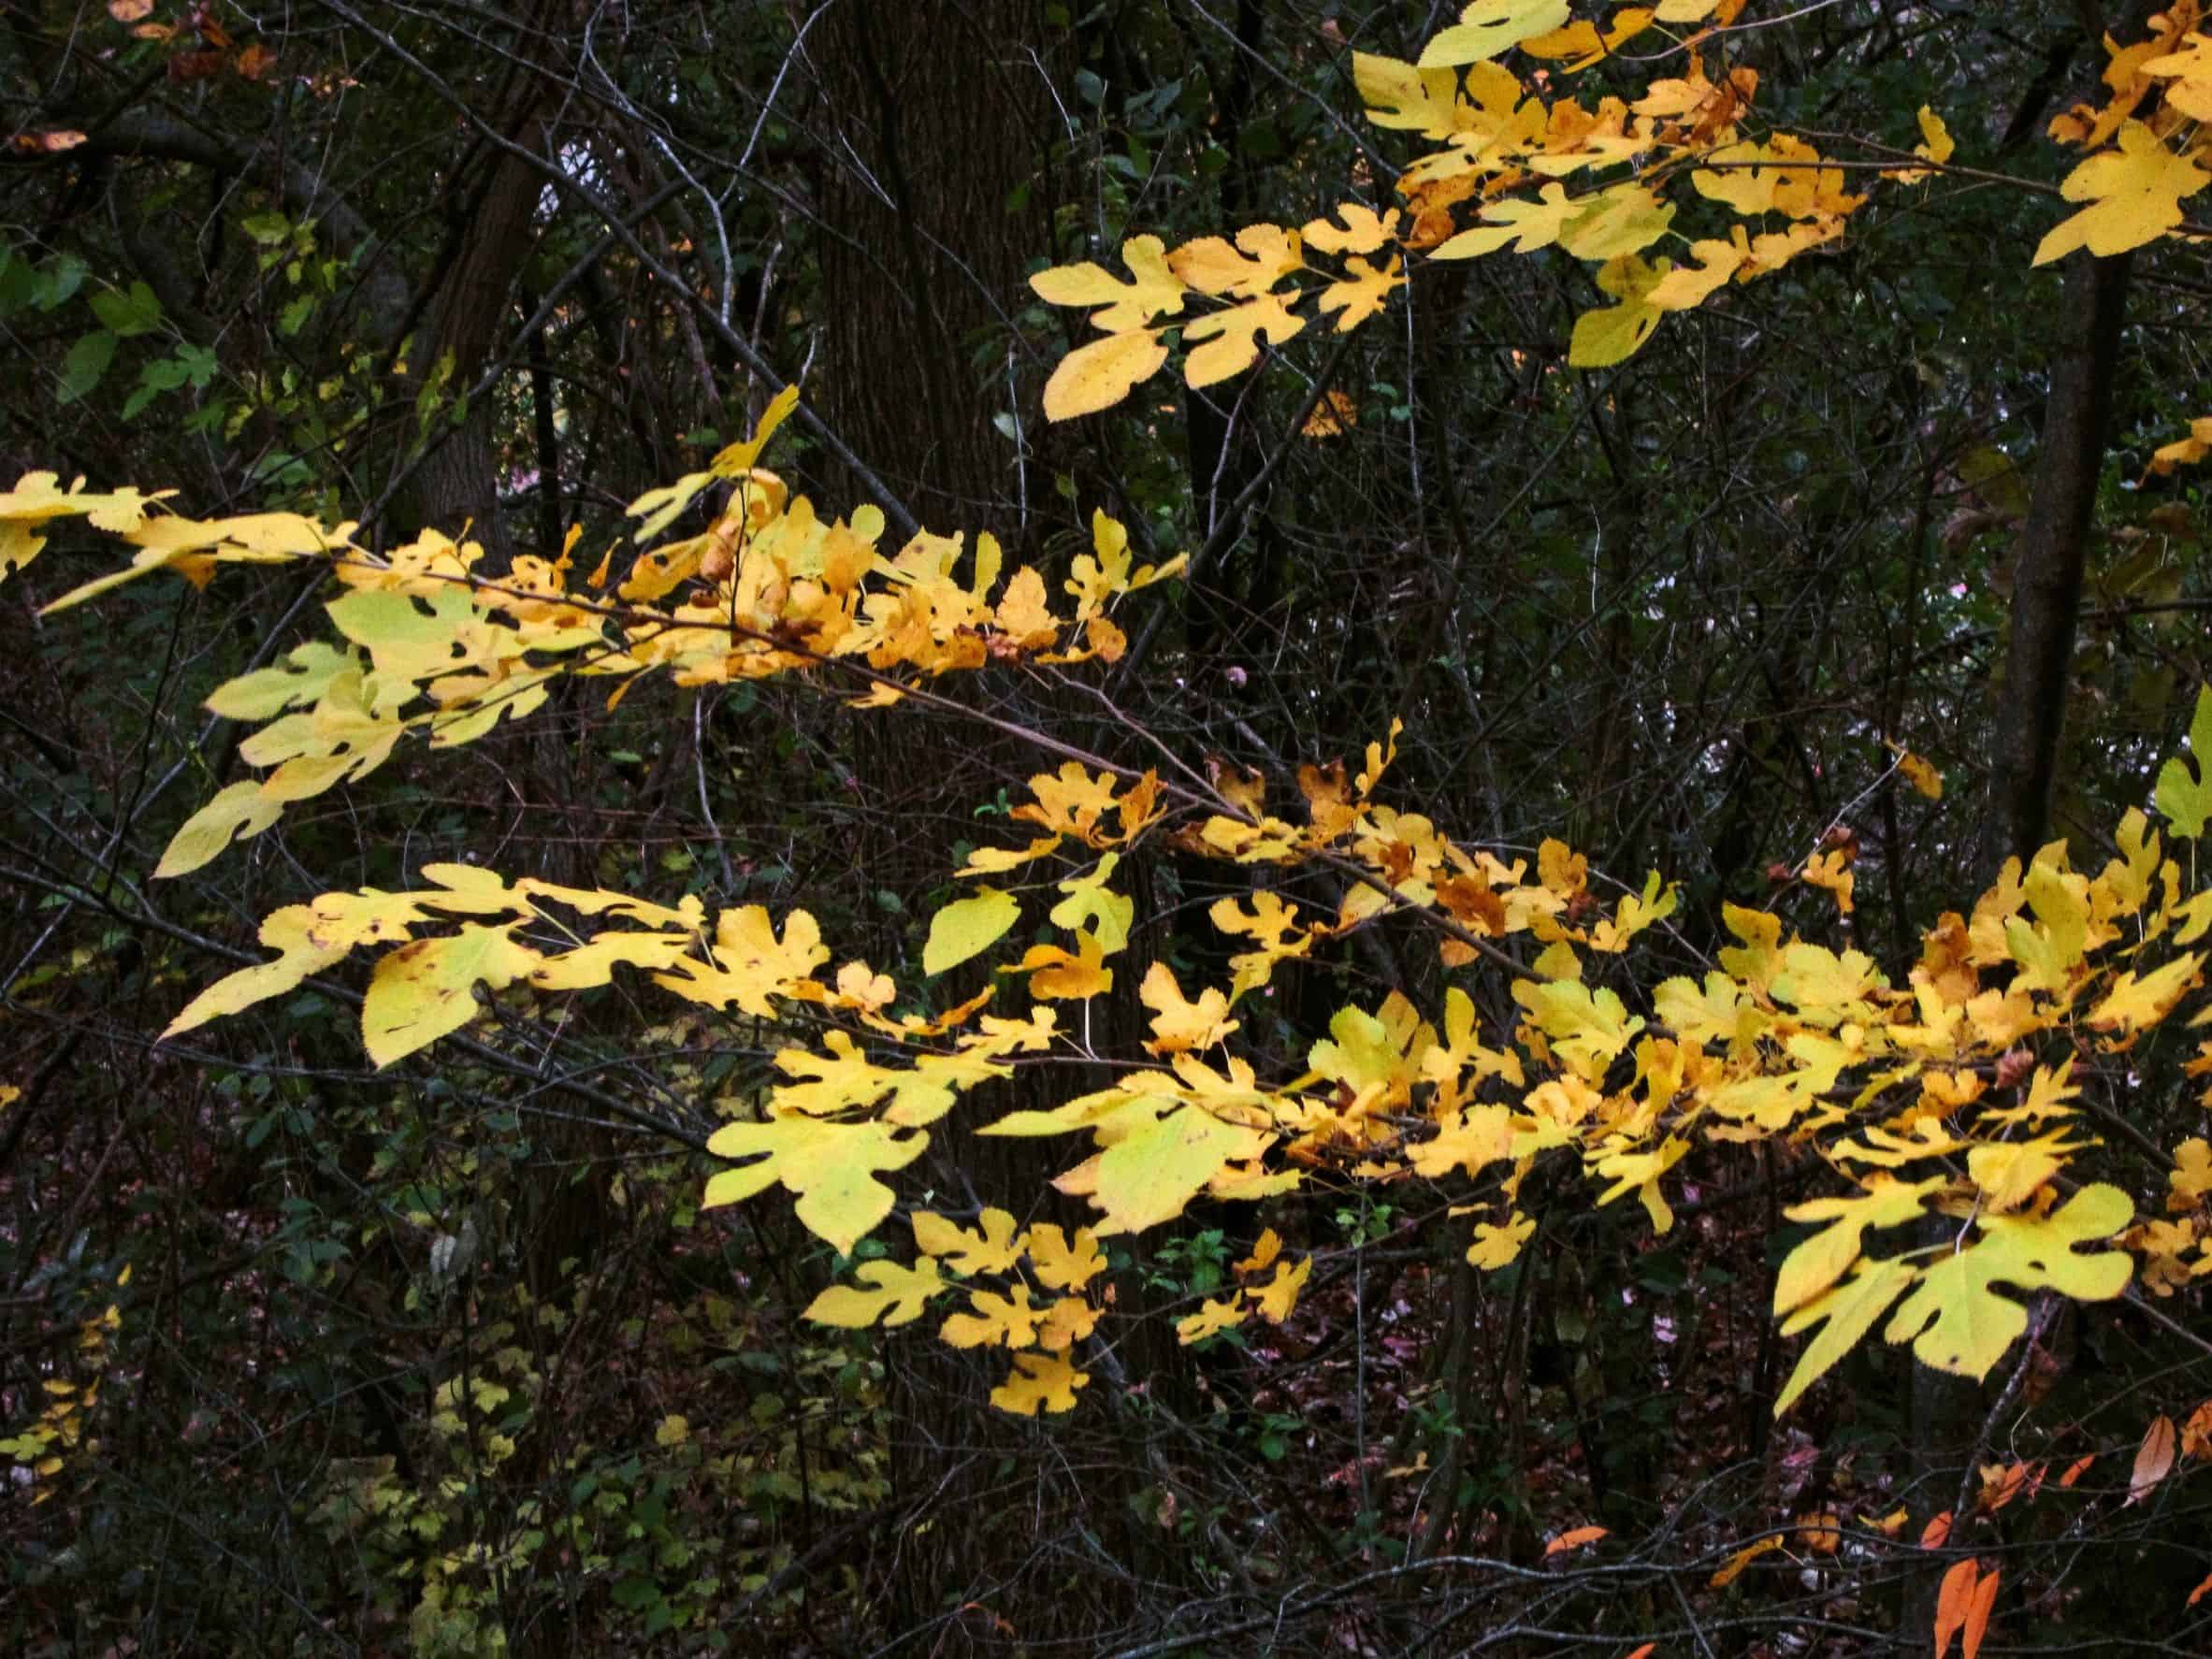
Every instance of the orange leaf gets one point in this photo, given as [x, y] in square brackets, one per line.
[2200, 1592]
[1934, 1534]
[2076, 1469]
[1977, 1617]
[128, 11]
[1644, 1651]
[1954, 1603]
[1733, 1569]
[2196, 1434]
[1574, 1538]
[2153, 1458]
[1821, 1531]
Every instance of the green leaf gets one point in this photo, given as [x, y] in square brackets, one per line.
[87, 361]
[127, 313]
[962, 928]
[2185, 794]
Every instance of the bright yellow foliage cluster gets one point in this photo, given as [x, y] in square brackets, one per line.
[1956, 1094]
[1522, 166]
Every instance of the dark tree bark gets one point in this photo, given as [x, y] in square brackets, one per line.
[2047, 572]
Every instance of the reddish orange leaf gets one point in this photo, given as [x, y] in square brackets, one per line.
[1937, 1532]
[2153, 1458]
[2201, 1591]
[1574, 1538]
[2076, 1469]
[1644, 1651]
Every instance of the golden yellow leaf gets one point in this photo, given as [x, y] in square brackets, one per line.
[2135, 196]
[1213, 1318]
[1049, 1381]
[1179, 1023]
[1099, 375]
[1152, 291]
[994, 1249]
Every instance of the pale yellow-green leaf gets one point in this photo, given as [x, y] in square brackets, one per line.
[830, 1167]
[896, 1294]
[1091, 903]
[238, 812]
[1616, 332]
[289, 930]
[1489, 27]
[297, 681]
[424, 991]
[1149, 1175]
[1849, 1310]
[1955, 1319]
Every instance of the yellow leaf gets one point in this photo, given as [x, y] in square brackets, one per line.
[1091, 902]
[673, 1431]
[1227, 342]
[1058, 975]
[1582, 44]
[831, 1167]
[1365, 230]
[1398, 94]
[1210, 1320]
[1955, 1319]
[2135, 1004]
[994, 1249]
[424, 991]
[1099, 375]
[1045, 1380]
[2135, 196]
[1179, 1023]
[1261, 256]
[2191, 1179]
[1153, 289]
[1849, 1311]
[1060, 1264]
[1264, 1251]
[1617, 332]
[1009, 1321]
[899, 1293]
[1361, 294]
[968, 925]
[1276, 1298]
[1498, 1245]
[1156, 1168]
[239, 812]
[1488, 27]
